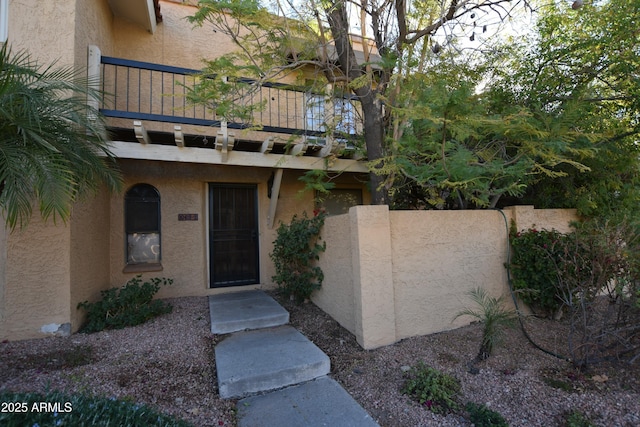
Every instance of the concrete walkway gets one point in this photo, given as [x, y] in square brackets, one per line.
[280, 376]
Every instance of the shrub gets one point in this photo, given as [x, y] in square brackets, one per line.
[130, 305]
[598, 282]
[78, 410]
[534, 264]
[593, 273]
[577, 419]
[494, 318]
[295, 251]
[435, 390]
[481, 416]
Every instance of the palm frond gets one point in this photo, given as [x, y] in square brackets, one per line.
[53, 146]
[493, 315]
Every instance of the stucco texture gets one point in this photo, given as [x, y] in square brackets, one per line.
[411, 271]
[37, 280]
[183, 188]
[438, 257]
[336, 294]
[90, 227]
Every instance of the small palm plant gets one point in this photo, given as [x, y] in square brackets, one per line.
[53, 146]
[494, 317]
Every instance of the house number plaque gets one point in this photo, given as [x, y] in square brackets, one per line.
[187, 217]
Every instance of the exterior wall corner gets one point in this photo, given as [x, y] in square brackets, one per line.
[374, 307]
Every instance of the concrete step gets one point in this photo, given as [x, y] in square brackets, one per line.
[320, 402]
[238, 311]
[267, 359]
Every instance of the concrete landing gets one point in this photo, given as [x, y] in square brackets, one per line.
[267, 359]
[321, 402]
[245, 310]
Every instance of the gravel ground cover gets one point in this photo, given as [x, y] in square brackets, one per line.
[168, 364]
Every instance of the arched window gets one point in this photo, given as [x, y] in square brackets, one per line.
[142, 224]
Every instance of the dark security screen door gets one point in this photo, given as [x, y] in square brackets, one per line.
[233, 235]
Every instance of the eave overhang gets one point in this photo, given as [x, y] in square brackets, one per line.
[145, 13]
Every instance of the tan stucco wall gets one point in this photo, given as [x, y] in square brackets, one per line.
[550, 219]
[175, 41]
[411, 270]
[37, 278]
[51, 267]
[45, 29]
[184, 189]
[93, 26]
[60, 31]
[89, 263]
[336, 294]
[439, 256]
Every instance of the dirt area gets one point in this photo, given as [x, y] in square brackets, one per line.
[168, 363]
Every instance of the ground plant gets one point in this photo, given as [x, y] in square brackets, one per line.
[436, 390]
[129, 305]
[577, 419]
[295, 251]
[481, 416]
[58, 409]
[493, 315]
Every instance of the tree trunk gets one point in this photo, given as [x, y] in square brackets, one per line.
[372, 108]
[374, 141]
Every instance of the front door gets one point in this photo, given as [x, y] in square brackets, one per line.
[233, 235]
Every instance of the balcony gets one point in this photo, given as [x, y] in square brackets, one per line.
[147, 103]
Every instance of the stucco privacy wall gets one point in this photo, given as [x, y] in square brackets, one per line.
[526, 217]
[439, 256]
[336, 295]
[414, 268]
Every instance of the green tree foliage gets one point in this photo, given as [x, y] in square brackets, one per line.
[552, 117]
[463, 151]
[583, 64]
[319, 35]
[53, 147]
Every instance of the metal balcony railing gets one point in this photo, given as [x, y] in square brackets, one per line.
[154, 92]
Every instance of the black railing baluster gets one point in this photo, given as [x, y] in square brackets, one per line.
[162, 91]
[290, 118]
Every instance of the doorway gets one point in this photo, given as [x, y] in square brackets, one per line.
[233, 235]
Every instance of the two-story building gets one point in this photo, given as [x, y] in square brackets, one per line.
[202, 197]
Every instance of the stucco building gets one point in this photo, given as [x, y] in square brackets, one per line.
[202, 198]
